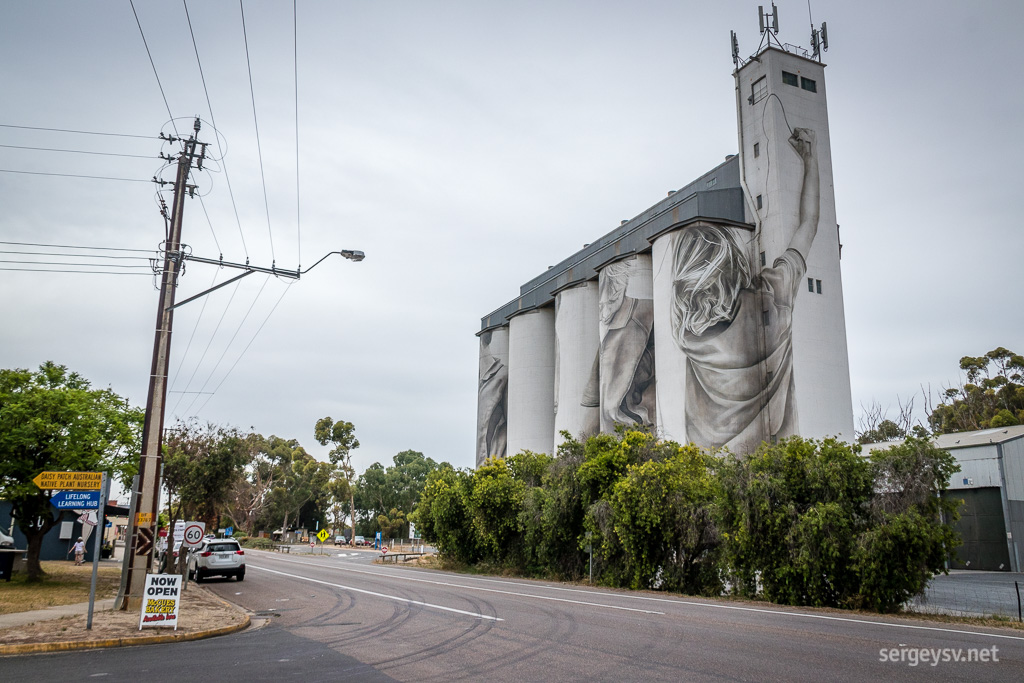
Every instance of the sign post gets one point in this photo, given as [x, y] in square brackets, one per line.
[161, 597]
[98, 531]
[322, 535]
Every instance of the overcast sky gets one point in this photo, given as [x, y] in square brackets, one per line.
[466, 146]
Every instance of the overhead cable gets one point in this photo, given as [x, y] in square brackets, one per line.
[81, 132]
[75, 175]
[81, 151]
[153, 64]
[259, 148]
[213, 122]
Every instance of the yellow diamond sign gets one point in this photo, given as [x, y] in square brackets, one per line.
[323, 535]
[69, 481]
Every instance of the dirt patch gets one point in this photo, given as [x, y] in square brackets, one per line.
[200, 610]
[64, 584]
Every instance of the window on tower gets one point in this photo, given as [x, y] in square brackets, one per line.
[790, 79]
[808, 84]
[759, 90]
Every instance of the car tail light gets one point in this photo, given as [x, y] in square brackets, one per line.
[239, 552]
[206, 554]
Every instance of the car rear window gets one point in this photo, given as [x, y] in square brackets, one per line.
[222, 547]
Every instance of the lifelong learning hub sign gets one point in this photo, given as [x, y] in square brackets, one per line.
[160, 600]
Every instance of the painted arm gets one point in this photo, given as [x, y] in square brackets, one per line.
[803, 141]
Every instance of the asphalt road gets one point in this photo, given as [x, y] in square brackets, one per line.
[343, 618]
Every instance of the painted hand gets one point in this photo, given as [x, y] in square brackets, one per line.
[803, 141]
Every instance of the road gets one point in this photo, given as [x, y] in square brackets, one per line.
[343, 618]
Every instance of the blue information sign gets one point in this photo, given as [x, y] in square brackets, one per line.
[76, 500]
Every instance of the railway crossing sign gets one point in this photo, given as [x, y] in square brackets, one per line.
[322, 535]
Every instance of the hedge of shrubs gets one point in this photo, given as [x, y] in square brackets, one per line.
[800, 522]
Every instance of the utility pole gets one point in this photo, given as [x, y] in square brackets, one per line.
[144, 524]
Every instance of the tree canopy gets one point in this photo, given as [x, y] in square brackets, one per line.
[52, 420]
[992, 396]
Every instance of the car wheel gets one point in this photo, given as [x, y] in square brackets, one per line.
[199, 575]
[240, 575]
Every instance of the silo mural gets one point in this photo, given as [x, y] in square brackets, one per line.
[625, 370]
[733, 320]
[492, 395]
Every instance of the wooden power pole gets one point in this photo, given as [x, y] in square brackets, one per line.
[144, 525]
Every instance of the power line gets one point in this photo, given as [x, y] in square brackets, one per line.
[65, 263]
[66, 255]
[208, 344]
[230, 341]
[195, 327]
[213, 121]
[75, 246]
[259, 148]
[260, 329]
[81, 132]
[295, 63]
[82, 151]
[210, 223]
[153, 64]
[88, 272]
[75, 175]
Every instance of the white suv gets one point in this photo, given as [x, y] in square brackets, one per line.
[217, 557]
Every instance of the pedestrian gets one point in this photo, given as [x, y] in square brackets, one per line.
[79, 550]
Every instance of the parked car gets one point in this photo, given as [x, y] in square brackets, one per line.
[340, 540]
[359, 540]
[217, 557]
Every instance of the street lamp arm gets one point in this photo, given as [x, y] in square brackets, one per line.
[350, 254]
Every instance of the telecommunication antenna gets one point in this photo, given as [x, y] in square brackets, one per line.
[735, 49]
[764, 17]
[819, 41]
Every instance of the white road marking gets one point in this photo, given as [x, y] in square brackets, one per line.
[380, 595]
[489, 590]
[395, 573]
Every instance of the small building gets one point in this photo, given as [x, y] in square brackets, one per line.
[991, 484]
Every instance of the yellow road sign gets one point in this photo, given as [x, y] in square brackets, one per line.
[69, 481]
[323, 535]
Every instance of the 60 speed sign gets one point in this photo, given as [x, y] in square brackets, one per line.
[194, 532]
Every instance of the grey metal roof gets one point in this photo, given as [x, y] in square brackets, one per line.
[716, 195]
[981, 437]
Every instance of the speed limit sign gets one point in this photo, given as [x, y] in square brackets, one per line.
[194, 534]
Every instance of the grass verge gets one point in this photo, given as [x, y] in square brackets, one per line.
[64, 584]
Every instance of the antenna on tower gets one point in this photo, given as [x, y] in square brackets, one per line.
[735, 49]
[819, 41]
[773, 25]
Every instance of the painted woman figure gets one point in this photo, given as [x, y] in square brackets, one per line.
[736, 326]
[492, 400]
[626, 354]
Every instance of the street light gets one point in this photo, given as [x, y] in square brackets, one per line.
[353, 255]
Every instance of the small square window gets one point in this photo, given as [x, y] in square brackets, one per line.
[763, 262]
[712, 182]
[790, 79]
[759, 90]
[810, 285]
[757, 149]
[818, 282]
[759, 202]
[808, 84]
